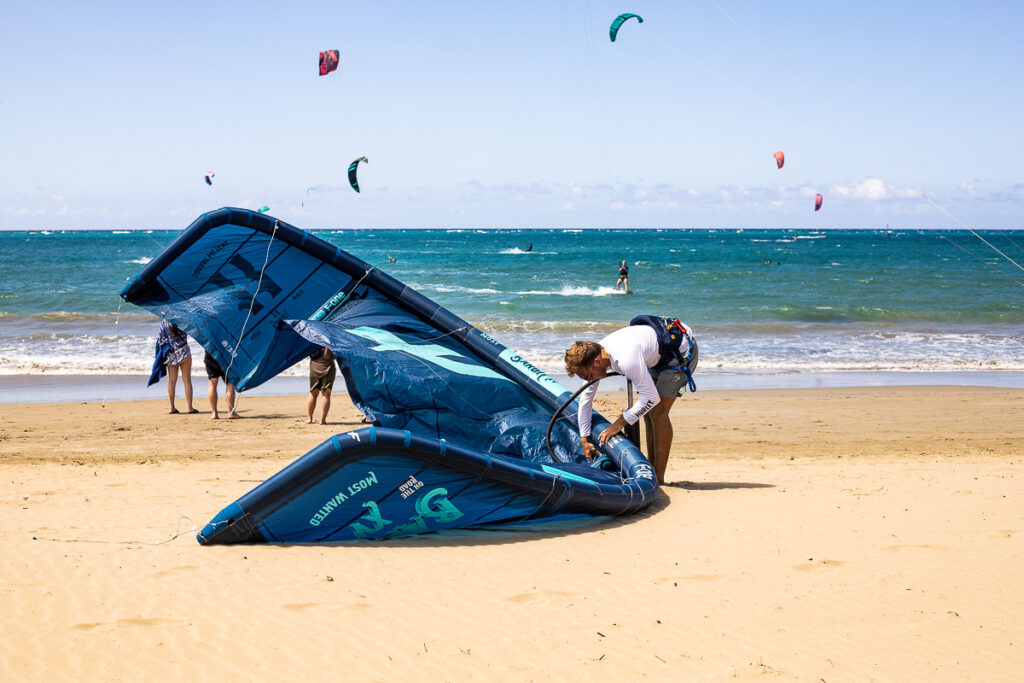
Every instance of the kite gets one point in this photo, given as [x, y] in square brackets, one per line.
[352, 172]
[208, 178]
[817, 201]
[613, 30]
[780, 158]
[328, 61]
[462, 430]
[263, 209]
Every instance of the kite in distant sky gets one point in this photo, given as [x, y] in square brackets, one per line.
[817, 201]
[613, 30]
[780, 158]
[263, 209]
[208, 178]
[309, 190]
[352, 172]
[328, 61]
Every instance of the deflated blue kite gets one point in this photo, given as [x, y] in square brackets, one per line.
[459, 421]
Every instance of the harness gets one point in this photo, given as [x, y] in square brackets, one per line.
[674, 354]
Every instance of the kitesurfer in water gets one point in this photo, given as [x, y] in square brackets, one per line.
[623, 276]
[214, 373]
[637, 353]
[322, 371]
[172, 342]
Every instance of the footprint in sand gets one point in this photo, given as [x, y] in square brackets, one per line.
[176, 571]
[924, 546]
[143, 621]
[91, 626]
[819, 564]
[1003, 533]
[692, 577]
[541, 596]
[306, 606]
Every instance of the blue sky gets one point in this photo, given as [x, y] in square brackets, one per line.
[517, 114]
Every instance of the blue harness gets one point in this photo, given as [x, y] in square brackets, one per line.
[674, 356]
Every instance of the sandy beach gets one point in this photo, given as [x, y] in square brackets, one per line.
[806, 534]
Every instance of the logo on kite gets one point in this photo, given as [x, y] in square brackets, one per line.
[817, 201]
[613, 30]
[208, 178]
[352, 172]
[780, 158]
[263, 209]
[328, 61]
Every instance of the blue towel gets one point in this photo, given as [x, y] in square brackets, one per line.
[159, 368]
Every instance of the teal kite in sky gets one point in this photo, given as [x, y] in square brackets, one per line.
[352, 172]
[619, 20]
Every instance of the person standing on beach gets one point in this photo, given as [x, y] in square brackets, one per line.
[659, 368]
[215, 373]
[172, 342]
[322, 371]
[623, 276]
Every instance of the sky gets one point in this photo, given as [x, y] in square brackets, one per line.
[514, 115]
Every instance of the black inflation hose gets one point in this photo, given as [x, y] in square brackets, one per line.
[547, 437]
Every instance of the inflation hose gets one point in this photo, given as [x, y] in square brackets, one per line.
[547, 437]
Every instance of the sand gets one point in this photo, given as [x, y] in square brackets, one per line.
[820, 534]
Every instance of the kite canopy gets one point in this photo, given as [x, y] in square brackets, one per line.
[780, 158]
[208, 178]
[459, 421]
[613, 30]
[352, 172]
[817, 201]
[328, 61]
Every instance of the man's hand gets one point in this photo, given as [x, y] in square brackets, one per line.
[588, 448]
[614, 429]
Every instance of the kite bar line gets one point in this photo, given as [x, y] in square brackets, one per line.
[252, 302]
[178, 532]
[547, 436]
[117, 342]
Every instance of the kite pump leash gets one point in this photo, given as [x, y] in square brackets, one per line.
[547, 436]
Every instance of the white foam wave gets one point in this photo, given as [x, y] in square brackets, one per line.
[569, 290]
[461, 289]
[141, 261]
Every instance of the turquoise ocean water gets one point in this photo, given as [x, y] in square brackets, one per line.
[763, 303]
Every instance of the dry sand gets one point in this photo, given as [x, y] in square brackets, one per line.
[824, 534]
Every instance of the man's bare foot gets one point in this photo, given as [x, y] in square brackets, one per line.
[235, 416]
[323, 422]
[215, 416]
[309, 421]
[173, 411]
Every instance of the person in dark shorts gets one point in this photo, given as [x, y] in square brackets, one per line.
[215, 374]
[322, 371]
[623, 280]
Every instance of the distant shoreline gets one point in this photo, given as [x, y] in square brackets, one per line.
[52, 388]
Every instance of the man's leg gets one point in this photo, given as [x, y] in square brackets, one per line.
[659, 436]
[212, 395]
[311, 404]
[326, 407]
[230, 396]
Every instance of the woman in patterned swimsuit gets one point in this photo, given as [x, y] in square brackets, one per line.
[179, 356]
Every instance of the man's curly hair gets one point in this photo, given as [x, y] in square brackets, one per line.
[580, 355]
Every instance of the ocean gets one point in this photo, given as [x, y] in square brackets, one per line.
[764, 304]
